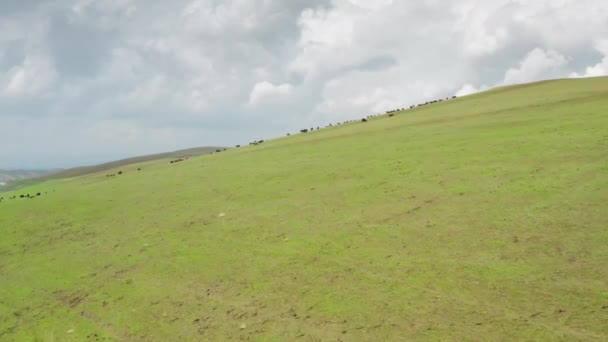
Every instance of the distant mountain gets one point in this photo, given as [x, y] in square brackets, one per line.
[85, 170]
[9, 176]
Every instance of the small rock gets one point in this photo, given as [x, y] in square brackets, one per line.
[243, 326]
[70, 331]
[221, 215]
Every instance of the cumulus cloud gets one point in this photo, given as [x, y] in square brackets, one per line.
[266, 91]
[601, 68]
[537, 64]
[31, 78]
[133, 76]
[469, 89]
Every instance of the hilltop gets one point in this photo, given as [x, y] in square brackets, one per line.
[478, 218]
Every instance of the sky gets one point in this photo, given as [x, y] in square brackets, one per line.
[85, 81]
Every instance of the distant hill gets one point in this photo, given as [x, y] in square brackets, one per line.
[9, 176]
[85, 170]
[16, 179]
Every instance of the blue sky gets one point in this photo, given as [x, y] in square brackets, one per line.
[85, 81]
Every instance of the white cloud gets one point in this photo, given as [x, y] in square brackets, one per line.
[468, 89]
[264, 92]
[601, 68]
[372, 5]
[482, 34]
[149, 92]
[537, 64]
[31, 78]
[105, 13]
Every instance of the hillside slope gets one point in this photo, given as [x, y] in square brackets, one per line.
[480, 218]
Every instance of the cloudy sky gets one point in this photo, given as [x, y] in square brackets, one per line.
[85, 81]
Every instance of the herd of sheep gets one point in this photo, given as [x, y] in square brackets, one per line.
[38, 194]
[389, 113]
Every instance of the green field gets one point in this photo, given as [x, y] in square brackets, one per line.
[482, 218]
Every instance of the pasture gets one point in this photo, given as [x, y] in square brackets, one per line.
[479, 218]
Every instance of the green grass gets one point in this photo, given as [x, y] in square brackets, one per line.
[481, 218]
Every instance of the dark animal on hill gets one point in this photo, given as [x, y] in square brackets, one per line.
[363, 120]
[303, 131]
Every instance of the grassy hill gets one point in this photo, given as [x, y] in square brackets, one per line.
[481, 218]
